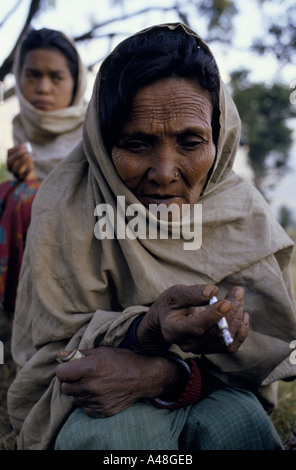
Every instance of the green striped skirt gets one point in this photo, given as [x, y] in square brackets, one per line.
[228, 419]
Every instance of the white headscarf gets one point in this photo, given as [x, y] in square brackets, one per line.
[52, 134]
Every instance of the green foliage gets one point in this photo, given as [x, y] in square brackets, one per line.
[220, 14]
[279, 38]
[264, 111]
[4, 173]
[286, 218]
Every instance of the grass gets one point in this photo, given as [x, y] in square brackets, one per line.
[4, 174]
[284, 416]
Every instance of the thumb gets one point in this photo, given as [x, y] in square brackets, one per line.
[181, 296]
[209, 317]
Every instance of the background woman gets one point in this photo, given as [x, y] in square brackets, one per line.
[50, 84]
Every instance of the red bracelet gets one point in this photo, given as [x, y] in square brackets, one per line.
[190, 393]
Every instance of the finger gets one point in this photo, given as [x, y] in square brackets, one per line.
[181, 296]
[210, 316]
[12, 160]
[236, 294]
[241, 334]
[17, 148]
[198, 320]
[24, 171]
[95, 412]
[29, 173]
[20, 165]
[235, 315]
[72, 371]
[17, 152]
[77, 389]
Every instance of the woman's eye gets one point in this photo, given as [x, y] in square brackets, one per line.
[57, 78]
[135, 146]
[31, 75]
[191, 144]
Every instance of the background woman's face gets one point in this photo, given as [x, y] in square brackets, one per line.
[46, 81]
[166, 149]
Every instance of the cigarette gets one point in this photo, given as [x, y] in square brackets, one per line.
[66, 356]
[29, 148]
[223, 326]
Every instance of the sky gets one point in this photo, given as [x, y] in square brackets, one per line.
[74, 18]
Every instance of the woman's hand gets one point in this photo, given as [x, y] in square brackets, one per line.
[183, 317]
[109, 380]
[20, 163]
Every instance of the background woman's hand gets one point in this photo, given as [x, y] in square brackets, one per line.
[182, 316]
[20, 163]
[109, 380]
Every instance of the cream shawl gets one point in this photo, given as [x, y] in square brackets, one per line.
[52, 134]
[76, 290]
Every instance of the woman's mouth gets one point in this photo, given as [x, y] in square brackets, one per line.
[159, 199]
[43, 105]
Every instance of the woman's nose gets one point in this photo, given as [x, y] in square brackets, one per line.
[163, 169]
[44, 85]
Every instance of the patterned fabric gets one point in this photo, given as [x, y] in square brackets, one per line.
[229, 419]
[15, 214]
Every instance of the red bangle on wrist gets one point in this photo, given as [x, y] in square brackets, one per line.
[190, 393]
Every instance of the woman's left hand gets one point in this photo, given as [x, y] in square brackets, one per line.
[20, 163]
[108, 380]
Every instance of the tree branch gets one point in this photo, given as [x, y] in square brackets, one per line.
[91, 33]
[7, 64]
[10, 13]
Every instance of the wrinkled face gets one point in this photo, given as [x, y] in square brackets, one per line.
[46, 81]
[166, 149]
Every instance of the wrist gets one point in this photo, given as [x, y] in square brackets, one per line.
[164, 378]
[148, 336]
[190, 393]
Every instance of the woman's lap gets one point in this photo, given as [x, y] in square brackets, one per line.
[228, 419]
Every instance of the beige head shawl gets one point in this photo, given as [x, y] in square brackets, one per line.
[52, 134]
[76, 290]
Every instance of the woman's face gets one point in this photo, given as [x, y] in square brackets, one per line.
[46, 81]
[166, 149]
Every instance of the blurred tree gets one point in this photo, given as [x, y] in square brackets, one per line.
[264, 112]
[280, 30]
[286, 218]
[218, 15]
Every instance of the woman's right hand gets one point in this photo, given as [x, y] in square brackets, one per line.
[20, 163]
[182, 316]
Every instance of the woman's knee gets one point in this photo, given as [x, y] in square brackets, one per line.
[229, 419]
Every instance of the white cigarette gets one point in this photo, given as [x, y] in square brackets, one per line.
[29, 148]
[66, 356]
[223, 326]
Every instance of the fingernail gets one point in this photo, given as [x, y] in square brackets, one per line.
[208, 291]
[246, 319]
[239, 293]
[224, 306]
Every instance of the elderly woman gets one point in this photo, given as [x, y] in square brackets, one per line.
[50, 84]
[154, 371]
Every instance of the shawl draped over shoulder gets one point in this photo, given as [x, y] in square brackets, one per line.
[78, 291]
[52, 134]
